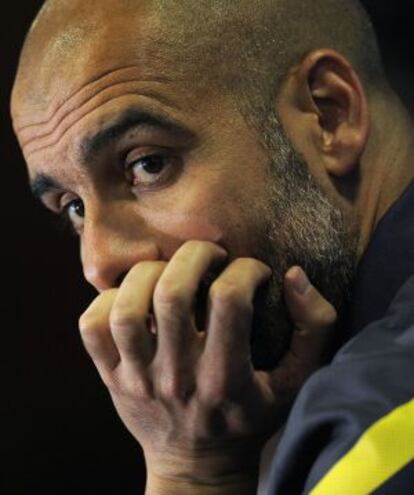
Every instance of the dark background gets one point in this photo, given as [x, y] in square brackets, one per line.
[59, 432]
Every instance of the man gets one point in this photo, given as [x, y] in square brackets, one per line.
[204, 152]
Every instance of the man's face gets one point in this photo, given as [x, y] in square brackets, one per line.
[142, 161]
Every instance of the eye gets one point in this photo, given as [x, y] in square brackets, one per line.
[150, 169]
[74, 212]
[75, 208]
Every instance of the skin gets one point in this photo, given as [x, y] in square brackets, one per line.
[146, 245]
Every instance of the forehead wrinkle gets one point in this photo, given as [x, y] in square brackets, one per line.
[58, 114]
[90, 106]
[79, 105]
[51, 143]
[53, 109]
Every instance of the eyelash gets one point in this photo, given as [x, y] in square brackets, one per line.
[66, 223]
[160, 176]
[64, 215]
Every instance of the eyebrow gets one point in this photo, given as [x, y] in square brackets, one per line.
[90, 147]
[127, 120]
[42, 184]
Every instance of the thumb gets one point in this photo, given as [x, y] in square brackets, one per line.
[312, 315]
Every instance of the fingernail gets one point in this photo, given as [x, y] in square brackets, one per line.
[300, 281]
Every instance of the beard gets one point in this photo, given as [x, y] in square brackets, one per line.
[297, 224]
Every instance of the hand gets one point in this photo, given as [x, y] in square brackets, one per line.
[192, 399]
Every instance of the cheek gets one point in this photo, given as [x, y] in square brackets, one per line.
[206, 208]
[199, 228]
[184, 226]
[185, 212]
[225, 226]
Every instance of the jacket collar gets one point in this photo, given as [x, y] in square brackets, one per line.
[386, 264]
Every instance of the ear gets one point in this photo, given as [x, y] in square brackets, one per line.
[324, 110]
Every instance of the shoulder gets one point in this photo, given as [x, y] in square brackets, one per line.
[352, 418]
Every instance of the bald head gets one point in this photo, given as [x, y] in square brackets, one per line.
[249, 47]
[68, 36]
[244, 47]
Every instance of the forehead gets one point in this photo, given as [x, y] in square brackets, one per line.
[77, 72]
[71, 48]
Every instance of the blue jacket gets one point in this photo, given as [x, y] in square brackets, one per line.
[351, 429]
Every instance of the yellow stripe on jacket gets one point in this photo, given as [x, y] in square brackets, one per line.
[383, 450]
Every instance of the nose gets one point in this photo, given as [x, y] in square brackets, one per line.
[108, 252]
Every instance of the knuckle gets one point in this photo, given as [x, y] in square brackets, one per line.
[213, 396]
[109, 380]
[137, 387]
[251, 264]
[137, 268]
[213, 389]
[199, 247]
[85, 323]
[147, 265]
[127, 384]
[123, 319]
[326, 316]
[246, 262]
[226, 294]
[170, 387]
[91, 335]
[194, 244]
[189, 248]
[169, 294]
[94, 317]
[88, 326]
[196, 428]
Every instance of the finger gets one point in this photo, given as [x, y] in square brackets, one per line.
[96, 334]
[130, 315]
[313, 317]
[175, 296]
[312, 314]
[179, 345]
[231, 297]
